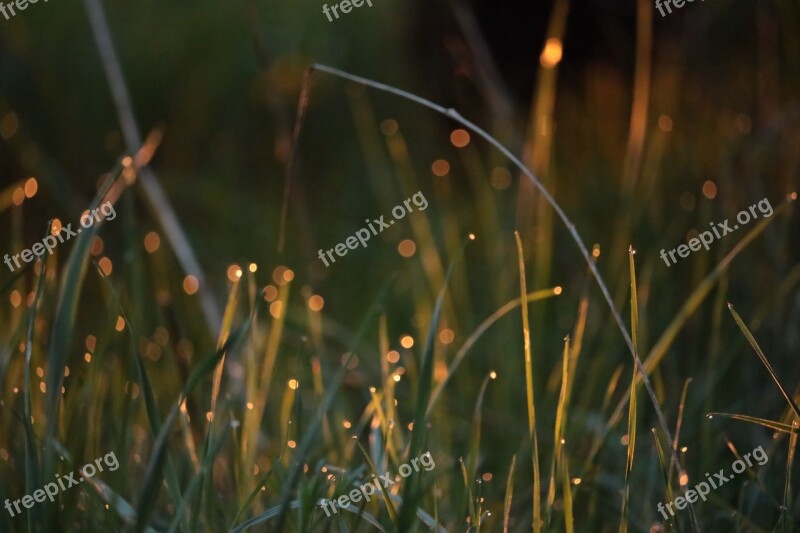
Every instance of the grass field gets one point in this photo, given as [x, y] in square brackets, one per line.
[238, 382]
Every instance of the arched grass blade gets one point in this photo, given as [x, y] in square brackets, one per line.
[478, 333]
[771, 424]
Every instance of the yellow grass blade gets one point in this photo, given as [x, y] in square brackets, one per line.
[526, 335]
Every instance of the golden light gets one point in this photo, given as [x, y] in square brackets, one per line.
[459, 138]
[350, 360]
[275, 309]
[407, 248]
[493, 374]
[440, 167]
[16, 298]
[105, 266]
[665, 123]
[31, 186]
[97, 245]
[683, 479]
[120, 324]
[9, 125]
[40, 371]
[209, 416]
[291, 444]
[250, 405]
[576, 481]
[42, 387]
[288, 275]
[552, 53]
[389, 127]
[624, 440]
[709, 190]
[19, 196]
[161, 336]
[439, 371]
[253, 267]
[407, 341]
[190, 285]
[87, 357]
[55, 227]
[234, 272]
[558, 290]
[127, 161]
[91, 342]
[293, 384]
[487, 476]
[270, 293]
[471, 236]
[316, 303]
[501, 178]
[396, 378]
[347, 424]
[446, 336]
[66, 371]
[393, 356]
[152, 242]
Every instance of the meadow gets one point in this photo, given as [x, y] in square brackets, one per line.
[521, 330]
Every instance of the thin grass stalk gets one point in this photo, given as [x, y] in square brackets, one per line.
[764, 360]
[632, 413]
[526, 335]
[786, 509]
[558, 430]
[509, 494]
[480, 330]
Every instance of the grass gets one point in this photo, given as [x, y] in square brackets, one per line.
[311, 383]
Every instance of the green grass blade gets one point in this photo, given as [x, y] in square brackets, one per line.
[763, 358]
[770, 424]
[623, 525]
[526, 335]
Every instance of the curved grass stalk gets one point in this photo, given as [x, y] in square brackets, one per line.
[477, 130]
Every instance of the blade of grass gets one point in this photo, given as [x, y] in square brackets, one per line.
[632, 413]
[151, 481]
[770, 424]
[526, 335]
[786, 508]
[667, 480]
[558, 430]
[480, 330]
[411, 490]
[569, 519]
[144, 383]
[33, 478]
[763, 358]
[509, 494]
[310, 437]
